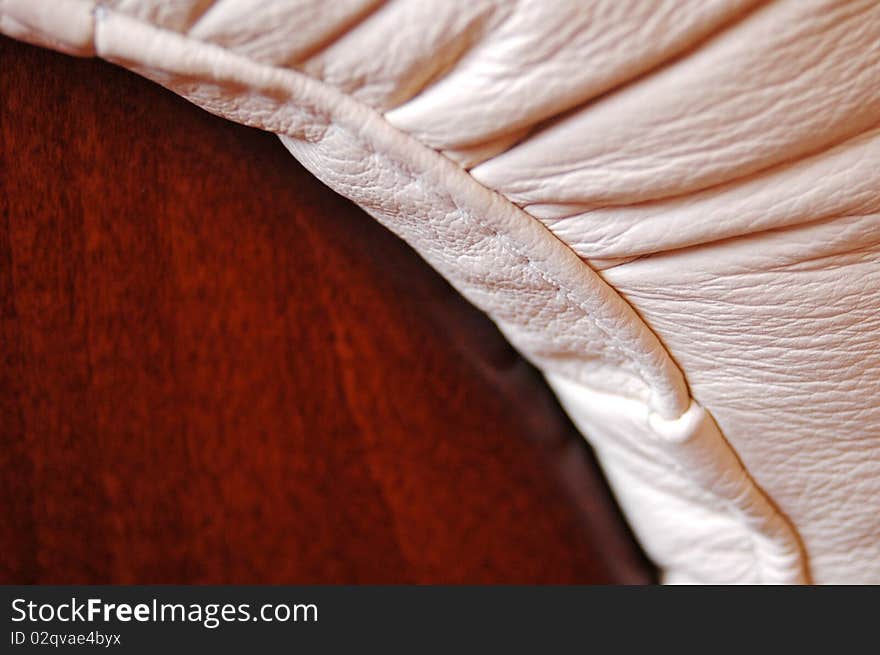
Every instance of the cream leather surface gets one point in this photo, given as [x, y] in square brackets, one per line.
[670, 206]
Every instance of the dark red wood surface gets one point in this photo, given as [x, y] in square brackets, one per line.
[215, 370]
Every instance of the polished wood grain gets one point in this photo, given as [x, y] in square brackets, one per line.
[215, 370]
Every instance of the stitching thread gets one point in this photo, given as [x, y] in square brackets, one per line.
[510, 246]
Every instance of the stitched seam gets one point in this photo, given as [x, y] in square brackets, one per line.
[656, 384]
[728, 505]
[506, 242]
[510, 246]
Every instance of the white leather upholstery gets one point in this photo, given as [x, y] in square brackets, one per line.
[670, 207]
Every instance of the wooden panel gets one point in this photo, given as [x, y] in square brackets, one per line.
[215, 370]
